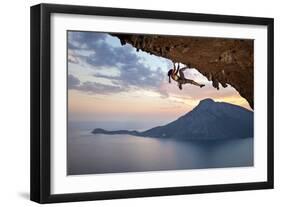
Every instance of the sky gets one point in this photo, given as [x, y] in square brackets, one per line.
[111, 82]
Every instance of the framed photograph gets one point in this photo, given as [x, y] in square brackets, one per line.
[133, 103]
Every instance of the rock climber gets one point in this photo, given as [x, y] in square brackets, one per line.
[177, 75]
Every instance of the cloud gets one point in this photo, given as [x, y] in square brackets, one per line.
[73, 82]
[84, 40]
[100, 75]
[72, 58]
[133, 72]
[92, 87]
[98, 88]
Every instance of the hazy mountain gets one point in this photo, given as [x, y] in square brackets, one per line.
[208, 120]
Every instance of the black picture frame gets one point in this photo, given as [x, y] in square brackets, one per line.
[41, 98]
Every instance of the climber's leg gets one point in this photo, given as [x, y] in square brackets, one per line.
[193, 82]
[182, 80]
[181, 73]
[180, 85]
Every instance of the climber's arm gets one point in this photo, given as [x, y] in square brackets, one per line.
[176, 70]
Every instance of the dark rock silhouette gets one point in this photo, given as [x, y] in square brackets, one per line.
[102, 131]
[221, 60]
[208, 120]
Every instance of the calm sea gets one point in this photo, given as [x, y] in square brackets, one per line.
[97, 153]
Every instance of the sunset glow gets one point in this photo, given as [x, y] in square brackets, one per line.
[107, 81]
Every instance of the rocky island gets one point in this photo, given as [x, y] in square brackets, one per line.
[208, 120]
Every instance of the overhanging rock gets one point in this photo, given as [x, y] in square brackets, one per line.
[223, 61]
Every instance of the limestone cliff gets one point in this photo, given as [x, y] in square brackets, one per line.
[221, 60]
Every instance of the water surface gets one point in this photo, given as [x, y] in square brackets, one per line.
[97, 153]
